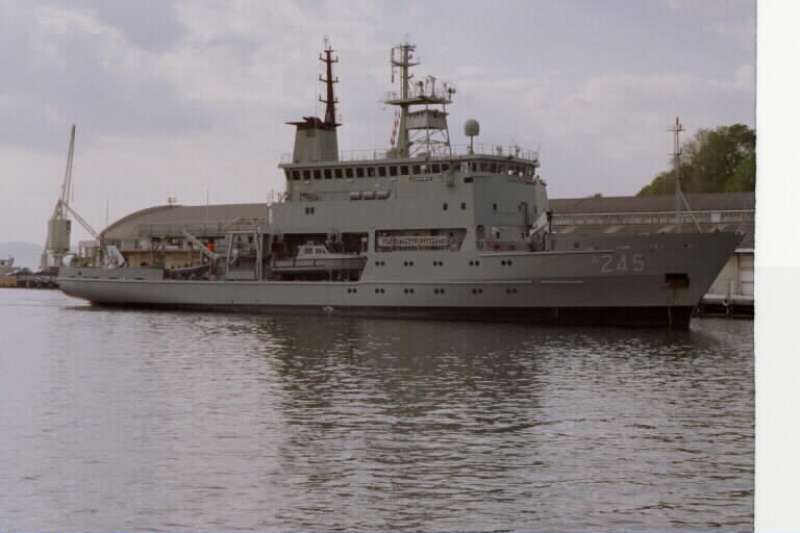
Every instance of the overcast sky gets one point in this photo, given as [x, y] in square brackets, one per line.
[184, 98]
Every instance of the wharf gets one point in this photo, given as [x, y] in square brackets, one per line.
[28, 281]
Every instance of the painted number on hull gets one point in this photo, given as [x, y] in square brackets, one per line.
[621, 263]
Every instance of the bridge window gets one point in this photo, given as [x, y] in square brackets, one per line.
[337, 173]
[382, 172]
[306, 174]
[463, 205]
[444, 207]
[327, 173]
[370, 172]
[360, 172]
[445, 167]
[494, 207]
[348, 172]
[436, 168]
[317, 174]
[404, 170]
[392, 171]
[416, 170]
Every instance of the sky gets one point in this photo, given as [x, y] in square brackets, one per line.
[190, 99]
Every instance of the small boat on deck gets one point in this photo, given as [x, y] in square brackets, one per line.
[317, 259]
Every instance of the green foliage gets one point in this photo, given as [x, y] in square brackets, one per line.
[719, 160]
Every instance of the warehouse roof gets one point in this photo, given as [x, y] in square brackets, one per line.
[727, 201]
[147, 221]
[569, 214]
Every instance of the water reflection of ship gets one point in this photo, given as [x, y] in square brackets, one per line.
[388, 411]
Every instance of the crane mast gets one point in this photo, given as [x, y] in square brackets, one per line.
[59, 225]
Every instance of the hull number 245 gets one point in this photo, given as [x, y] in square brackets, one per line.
[621, 263]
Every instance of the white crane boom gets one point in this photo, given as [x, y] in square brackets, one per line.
[82, 222]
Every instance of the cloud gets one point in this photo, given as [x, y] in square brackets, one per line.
[730, 20]
[67, 66]
[171, 97]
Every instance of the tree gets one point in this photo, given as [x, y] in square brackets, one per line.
[719, 160]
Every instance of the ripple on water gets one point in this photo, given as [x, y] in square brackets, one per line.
[153, 420]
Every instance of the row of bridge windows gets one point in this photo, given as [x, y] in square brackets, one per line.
[405, 170]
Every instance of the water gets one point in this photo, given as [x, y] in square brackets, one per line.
[131, 420]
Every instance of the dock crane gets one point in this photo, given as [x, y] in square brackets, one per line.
[59, 227]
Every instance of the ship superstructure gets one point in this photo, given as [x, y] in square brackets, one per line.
[421, 229]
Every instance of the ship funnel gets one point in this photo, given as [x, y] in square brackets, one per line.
[316, 139]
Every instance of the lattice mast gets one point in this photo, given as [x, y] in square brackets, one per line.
[422, 127]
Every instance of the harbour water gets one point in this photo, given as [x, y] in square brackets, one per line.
[137, 420]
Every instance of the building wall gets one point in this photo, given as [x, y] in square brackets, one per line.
[736, 279]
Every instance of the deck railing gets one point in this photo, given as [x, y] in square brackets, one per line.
[458, 152]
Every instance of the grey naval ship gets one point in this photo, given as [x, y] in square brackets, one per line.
[422, 230]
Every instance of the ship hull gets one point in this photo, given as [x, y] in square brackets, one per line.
[652, 280]
[672, 317]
